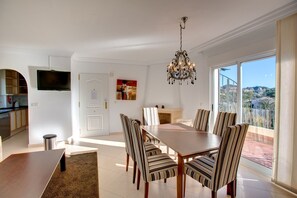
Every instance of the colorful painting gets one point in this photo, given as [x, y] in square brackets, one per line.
[126, 89]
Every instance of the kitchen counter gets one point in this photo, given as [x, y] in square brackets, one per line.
[5, 110]
[12, 121]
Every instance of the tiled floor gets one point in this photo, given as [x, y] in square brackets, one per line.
[258, 150]
[114, 182]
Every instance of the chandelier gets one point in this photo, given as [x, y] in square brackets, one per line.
[181, 68]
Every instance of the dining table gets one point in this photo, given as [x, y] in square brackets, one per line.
[186, 142]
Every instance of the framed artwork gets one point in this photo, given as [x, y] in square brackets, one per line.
[126, 89]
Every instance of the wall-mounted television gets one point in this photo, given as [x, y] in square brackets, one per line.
[53, 80]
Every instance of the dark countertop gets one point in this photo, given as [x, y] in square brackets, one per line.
[5, 110]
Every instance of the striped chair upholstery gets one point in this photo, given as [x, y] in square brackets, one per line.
[154, 167]
[201, 120]
[151, 117]
[150, 149]
[128, 140]
[221, 171]
[223, 120]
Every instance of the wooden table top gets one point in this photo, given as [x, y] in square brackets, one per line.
[27, 174]
[184, 140]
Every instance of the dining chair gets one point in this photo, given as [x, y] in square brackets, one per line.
[150, 117]
[221, 171]
[223, 121]
[152, 168]
[201, 120]
[150, 149]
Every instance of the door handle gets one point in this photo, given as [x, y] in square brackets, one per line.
[105, 104]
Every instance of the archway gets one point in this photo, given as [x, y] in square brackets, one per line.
[13, 104]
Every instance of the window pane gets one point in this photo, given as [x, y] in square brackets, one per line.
[258, 109]
[228, 88]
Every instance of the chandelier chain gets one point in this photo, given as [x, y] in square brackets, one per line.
[181, 37]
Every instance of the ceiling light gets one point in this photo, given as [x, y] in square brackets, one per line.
[181, 68]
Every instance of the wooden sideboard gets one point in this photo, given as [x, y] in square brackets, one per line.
[169, 115]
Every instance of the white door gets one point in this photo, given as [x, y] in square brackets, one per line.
[94, 119]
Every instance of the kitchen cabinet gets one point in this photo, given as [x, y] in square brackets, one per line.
[18, 120]
[24, 117]
[1, 156]
[18, 115]
[4, 125]
[22, 86]
[12, 121]
[12, 83]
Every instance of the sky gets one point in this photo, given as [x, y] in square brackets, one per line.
[255, 73]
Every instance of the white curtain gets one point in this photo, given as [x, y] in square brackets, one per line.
[285, 144]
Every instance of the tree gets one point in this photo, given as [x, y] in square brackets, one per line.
[267, 103]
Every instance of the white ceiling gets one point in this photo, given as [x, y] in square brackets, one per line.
[142, 31]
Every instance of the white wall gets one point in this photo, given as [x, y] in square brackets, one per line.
[196, 96]
[116, 71]
[158, 91]
[49, 111]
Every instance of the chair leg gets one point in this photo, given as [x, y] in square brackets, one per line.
[213, 194]
[167, 150]
[127, 162]
[165, 180]
[146, 190]
[232, 188]
[134, 171]
[184, 184]
[138, 179]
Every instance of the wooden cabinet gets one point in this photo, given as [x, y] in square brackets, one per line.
[169, 115]
[0, 149]
[12, 83]
[24, 117]
[12, 121]
[18, 120]
[22, 86]
[18, 115]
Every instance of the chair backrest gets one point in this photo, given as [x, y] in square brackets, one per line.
[150, 116]
[128, 135]
[224, 119]
[201, 120]
[139, 149]
[226, 165]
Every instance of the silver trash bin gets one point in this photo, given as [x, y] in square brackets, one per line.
[49, 141]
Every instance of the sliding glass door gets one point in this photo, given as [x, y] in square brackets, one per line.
[258, 109]
[248, 88]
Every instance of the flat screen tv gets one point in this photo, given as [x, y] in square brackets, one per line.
[53, 80]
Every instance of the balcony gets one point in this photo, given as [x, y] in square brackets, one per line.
[258, 146]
